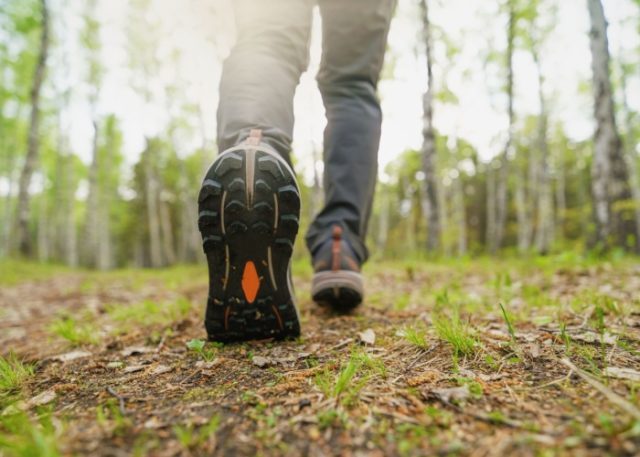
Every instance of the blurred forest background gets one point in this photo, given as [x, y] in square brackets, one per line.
[75, 190]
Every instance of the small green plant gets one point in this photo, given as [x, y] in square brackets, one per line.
[329, 417]
[13, 374]
[75, 332]
[475, 389]
[344, 387]
[417, 336]
[456, 333]
[190, 437]
[23, 436]
[507, 319]
[565, 337]
[198, 346]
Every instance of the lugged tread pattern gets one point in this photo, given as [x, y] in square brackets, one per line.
[234, 234]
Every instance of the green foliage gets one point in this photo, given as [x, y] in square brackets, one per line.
[75, 332]
[417, 336]
[458, 334]
[191, 437]
[198, 346]
[13, 375]
[20, 435]
[148, 313]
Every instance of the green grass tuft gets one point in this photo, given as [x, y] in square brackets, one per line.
[458, 334]
[13, 374]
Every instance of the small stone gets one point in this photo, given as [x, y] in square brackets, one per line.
[303, 403]
[260, 362]
[42, 399]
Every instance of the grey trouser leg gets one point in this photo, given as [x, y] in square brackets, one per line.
[259, 80]
[354, 40]
[260, 76]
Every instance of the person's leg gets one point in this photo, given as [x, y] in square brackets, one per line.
[354, 41]
[249, 203]
[260, 75]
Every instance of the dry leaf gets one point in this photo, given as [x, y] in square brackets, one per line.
[367, 337]
[42, 399]
[133, 368]
[452, 393]
[73, 355]
[592, 337]
[161, 369]
[261, 362]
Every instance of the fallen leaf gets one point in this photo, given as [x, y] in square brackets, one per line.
[73, 355]
[428, 376]
[116, 364]
[161, 369]
[593, 337]
[42, 399]
[450, 394]
[261, 362]
[367, 337]
[622, 373]
[133, 368]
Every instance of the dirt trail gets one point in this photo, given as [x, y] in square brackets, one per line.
[384, 381]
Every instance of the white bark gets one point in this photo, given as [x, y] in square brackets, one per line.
[430, 197]
[33, 146]
[610, 182]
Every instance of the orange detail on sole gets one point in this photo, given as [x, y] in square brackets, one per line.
[250, 282]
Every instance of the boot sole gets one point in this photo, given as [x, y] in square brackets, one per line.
[248, 216]
[342, 290]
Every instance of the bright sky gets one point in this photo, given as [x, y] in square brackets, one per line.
[474, 26]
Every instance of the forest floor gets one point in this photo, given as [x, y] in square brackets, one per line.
[537, 356]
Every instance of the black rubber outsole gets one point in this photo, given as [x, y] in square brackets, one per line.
[339, 299]
[248, 215]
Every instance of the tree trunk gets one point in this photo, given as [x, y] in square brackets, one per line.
[490, 235]
[166, 228]
[70, 230]
[545, 228]
[561, 200]
[33, 145]
[92, 222]
[630, 157]
[521, 213]
[43, 229]
[153, 219]
[461, 216]
[610, 181]
[429, 144]
[383, 225]
[503, 171]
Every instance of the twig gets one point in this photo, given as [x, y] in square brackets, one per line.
[120, 398]
[604, 390]
[341, 344]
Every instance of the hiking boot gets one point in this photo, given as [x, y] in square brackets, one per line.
[337, 281]
[248, 215]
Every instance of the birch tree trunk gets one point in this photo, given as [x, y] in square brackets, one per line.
[490, 235]
[153, 218]
[70, 230]
[521, 213]
[33, 145]
[630, 157]
[91, 225]
[429, 144]
[461, 216]
[503, 171]
[609, 178]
